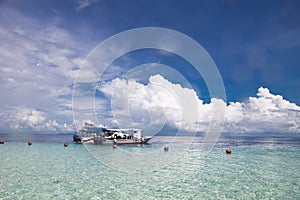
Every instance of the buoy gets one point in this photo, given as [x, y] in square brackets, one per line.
[1, 141]
[166, 148]
[228, 151]
[30, 143]
[115, 146]
[66, 144]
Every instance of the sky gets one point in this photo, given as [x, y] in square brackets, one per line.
[255, 46]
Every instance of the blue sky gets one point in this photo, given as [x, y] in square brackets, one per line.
[254, 44]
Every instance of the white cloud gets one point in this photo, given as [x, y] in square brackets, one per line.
[161, 101]
[29, 119]
[39, 62]
[265, 113]
[85, 3]
[156, 103]
[38, 65]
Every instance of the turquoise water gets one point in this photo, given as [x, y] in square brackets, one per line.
[48, 170]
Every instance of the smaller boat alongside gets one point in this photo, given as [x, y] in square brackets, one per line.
[91, 134]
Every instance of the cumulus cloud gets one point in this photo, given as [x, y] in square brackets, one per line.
[161, 101]
[156, 103]
[265, 113]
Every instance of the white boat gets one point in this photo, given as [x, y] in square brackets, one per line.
[91, 134]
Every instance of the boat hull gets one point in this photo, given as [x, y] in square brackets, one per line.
[107, 141]
[77, 139]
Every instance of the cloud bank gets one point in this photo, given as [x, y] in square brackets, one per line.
[29, 119]
[161, 101]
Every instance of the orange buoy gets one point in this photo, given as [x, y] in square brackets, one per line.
[66, 144]
[228, 151]
[30, 143]
[166, 148]
[115, 146]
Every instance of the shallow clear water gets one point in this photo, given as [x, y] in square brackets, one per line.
[269, 169]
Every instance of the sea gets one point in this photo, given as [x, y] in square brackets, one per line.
[259, 167]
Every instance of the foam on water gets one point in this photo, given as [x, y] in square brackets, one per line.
[51, 171]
